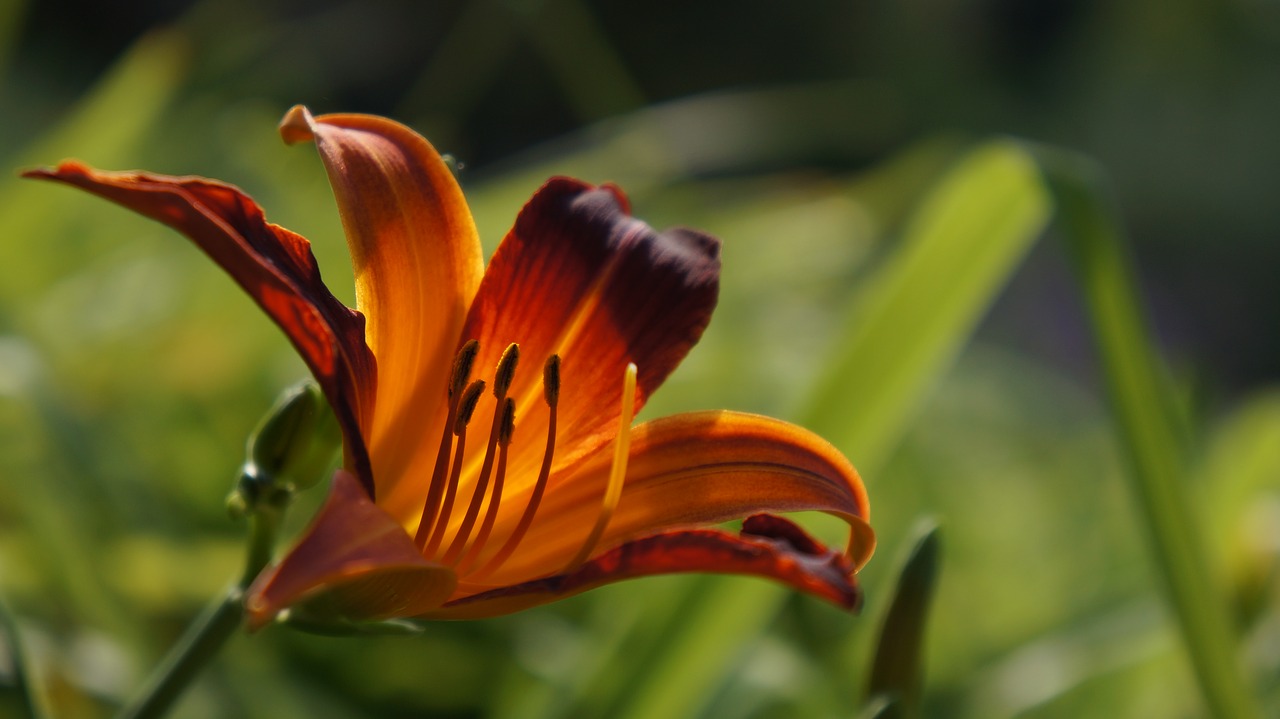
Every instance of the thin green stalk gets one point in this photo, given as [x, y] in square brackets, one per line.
[1150, 432]
[207, 635]
[201, 643]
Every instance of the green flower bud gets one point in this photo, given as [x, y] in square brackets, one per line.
[292, 449]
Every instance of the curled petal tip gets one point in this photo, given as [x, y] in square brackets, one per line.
[66, 167]
[296, 126]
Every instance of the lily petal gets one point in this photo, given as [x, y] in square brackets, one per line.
[696, 469]
[769, 547]
[417, 262]
[275, 266]
[355, 560]
[578, 276]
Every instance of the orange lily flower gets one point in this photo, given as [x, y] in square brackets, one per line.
[435, 515]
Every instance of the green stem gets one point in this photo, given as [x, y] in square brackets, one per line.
[210, 631]
[201, 643]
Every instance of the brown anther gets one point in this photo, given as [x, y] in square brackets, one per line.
[462, 364]
[551, 380]
[506, 371]
[508, 427]
[467, 405]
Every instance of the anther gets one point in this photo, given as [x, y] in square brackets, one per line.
[551, 380]
[508, 423]
[462, 365]
[467, 406]
[506, 371]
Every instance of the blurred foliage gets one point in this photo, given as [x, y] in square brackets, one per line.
[880, 284]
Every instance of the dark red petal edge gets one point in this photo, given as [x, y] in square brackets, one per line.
[576, 258]
[275, 266]
[769, 546]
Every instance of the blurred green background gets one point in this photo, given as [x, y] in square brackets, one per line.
[882, 284]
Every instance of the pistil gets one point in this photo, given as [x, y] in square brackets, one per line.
[613, 491]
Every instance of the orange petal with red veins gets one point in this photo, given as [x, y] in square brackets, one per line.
[694, 469]
[578, 276]
[272, 264]
[417, 262]
[356, 560]
[769, 547]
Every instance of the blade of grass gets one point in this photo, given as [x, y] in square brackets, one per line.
[956, 255]
[1149, 430]
[26, 697]
[898, 668]
[103, 129]
[958, 251]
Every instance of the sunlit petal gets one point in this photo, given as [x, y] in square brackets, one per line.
[417, 263]
[697, 469]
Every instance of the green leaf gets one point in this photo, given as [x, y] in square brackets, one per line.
[1150, 429]
[103, 129]
[957, 253]
[898, 668]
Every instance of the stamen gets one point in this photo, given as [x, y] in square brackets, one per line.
[490, 515]
[462, 366]
[551, 380]
[506, 371]
[551, 391]
[466, 407]
[457, 380]
[501, 383]
[621, 448]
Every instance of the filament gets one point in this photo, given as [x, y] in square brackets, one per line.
[501, 383]
[551, 391]
[466, 407]
[491, 515]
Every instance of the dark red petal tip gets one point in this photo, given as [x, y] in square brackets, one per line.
[772, 547]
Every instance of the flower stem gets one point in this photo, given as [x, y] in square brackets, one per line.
[201, 643]
[210, 631]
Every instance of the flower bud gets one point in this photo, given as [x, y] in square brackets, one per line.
[292, 449]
